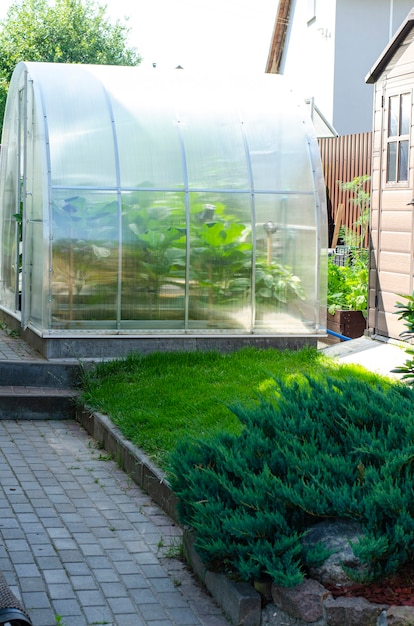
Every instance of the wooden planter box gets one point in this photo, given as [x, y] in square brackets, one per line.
[348, 323]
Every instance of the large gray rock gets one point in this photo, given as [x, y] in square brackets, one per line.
[353, 612]
[400, 616]
[336, 536]
[272, 615]
[304, 601]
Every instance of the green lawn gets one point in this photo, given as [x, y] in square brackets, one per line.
[156, 399]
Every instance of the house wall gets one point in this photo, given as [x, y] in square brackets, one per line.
[309, 52]
[362, 31]
[327, 57]
[391, 214]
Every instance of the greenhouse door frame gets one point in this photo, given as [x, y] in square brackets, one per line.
[24, 255]
[21, 198]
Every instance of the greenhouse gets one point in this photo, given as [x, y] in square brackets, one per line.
[159, 208]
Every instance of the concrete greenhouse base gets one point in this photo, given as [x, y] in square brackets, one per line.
[70, 345]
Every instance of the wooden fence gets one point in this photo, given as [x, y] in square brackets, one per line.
[344, 158]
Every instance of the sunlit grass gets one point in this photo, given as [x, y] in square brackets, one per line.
[155, 399]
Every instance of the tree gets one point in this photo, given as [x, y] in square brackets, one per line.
[67, 31]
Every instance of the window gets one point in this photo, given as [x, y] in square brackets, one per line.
[399, 108]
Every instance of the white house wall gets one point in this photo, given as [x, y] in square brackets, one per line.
[363, 29]
[310, 51]
[328, 57]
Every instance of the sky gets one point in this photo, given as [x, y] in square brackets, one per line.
[223, 36]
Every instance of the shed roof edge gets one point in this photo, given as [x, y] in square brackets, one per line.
[387, 54]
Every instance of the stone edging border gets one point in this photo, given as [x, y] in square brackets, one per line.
[239, 601]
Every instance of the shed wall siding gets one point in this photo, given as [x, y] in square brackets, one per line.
[391, 215]
[396, 221]
[396, 241]
[387, 325]
[394, 262]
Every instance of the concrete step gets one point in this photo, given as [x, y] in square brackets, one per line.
[40, 403]
[38, 390]
[40, 373]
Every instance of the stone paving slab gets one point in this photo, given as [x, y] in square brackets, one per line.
[13, 347]
[379, 356]
[78, 539]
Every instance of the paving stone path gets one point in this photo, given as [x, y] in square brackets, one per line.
[79, 540]
[13, 348]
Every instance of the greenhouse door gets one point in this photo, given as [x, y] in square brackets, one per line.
[23, 254]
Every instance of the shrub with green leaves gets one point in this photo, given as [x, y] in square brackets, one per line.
[338, 448]
[405, 312]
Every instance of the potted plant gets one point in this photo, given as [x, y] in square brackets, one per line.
[348, 295]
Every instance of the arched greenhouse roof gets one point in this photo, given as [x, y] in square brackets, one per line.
[158, 202]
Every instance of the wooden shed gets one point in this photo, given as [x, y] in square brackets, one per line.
[392, 207]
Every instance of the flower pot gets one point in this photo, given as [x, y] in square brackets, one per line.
[348, 323]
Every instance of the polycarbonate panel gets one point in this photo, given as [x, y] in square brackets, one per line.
[36, 258]
[160, 201]
[154, 252]
[9, 203]
[85, 258]
[284, 209]
[149, 146]
[277, 143]
[221, 254]
[35, 296]
[286, 263]
[213, 140]
[79, 126]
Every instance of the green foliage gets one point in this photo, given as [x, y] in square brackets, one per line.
[308, 453]
[65, 31]
[276, 282]
[315, 555]
[406, 312]
[355, 236]
[155, 248]
[348, 284]
[221, 251]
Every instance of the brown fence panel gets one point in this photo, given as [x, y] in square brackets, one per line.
[344, 158]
